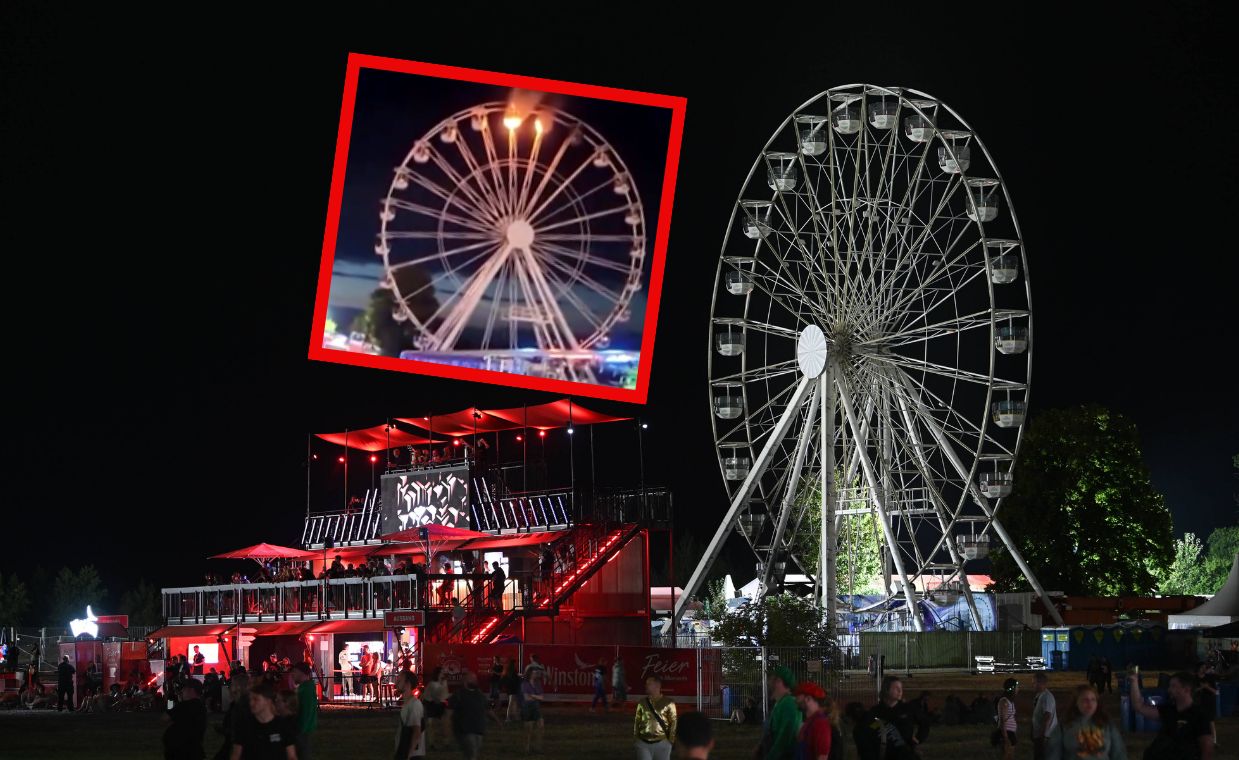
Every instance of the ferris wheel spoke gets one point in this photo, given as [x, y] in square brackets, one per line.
[496, 303]
[428, 235]
[465, 301]
[529, 170]
[922, 365]
[550, 172]
[430, 284]
[766, 372]
[491, 214]
[493, 162]
[437, 213]
[475, 170]
[924, 333]
[588, 258]
[556, 324]
[948, 293]
[568, 204]
[582, 218]
[772, 407]
[564, 237]
[955, 424]
[492, 244]
[590, 282]
[472, 212]
[537, 212]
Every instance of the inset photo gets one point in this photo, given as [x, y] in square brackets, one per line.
[497, 228]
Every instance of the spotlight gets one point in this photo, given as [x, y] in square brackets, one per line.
[571, 431]
[512, 117]
[519, 439]
[541, 433]
[644, 426]
[456, 442]
[314, 456]
[373, 458]
[341, 460]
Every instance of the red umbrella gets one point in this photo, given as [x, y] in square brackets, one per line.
[261, 552]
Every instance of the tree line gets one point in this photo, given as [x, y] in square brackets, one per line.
[52, 600]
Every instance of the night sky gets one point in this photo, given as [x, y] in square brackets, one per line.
[166, 197]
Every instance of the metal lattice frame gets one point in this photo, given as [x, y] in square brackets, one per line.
[869, 320]
[526, 229]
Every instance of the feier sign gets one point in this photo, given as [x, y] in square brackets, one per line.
[406, 618]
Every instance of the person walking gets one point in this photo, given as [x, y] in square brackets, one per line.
[600, 686]
[411, 735]
[468, 717]
[1044, 714]
[817, 731]
[654, 725]
[238, 714]
[1087, 733]
[65, 675]
[434, 703]
[532, 696]
[1004, 735]
[619, 687]
[512, 687]
[307, 708]
[183, 738]
[1184, 733]
[694, 736]
[779, 735]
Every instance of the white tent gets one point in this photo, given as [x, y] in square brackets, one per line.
[1223, 608]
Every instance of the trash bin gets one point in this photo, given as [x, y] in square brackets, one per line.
[727, 702]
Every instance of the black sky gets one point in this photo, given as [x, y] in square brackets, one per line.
[166, 191]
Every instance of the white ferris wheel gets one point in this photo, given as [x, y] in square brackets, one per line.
[871, 319]
[512, 232]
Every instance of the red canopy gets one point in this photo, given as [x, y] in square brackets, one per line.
[435, 533]
[374, 438]
[555, 414]
[260, 552]
[513, 540]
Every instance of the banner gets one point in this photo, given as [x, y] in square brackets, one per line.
[456, 659]
[676, 667]
[570, 669]
[425, 497]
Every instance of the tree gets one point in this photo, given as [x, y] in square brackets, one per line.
[73, 590]
[779, 620]
[1084, 512]
[1186, 574]
[858, 558]
[14, 601]
[329, 326]
[142, 604]
[382, 329]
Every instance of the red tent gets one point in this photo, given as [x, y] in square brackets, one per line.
[434, 533]
[260, 552]
[555, 414]
[458, 424]
[374, 438]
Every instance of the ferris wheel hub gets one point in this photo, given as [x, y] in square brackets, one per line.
[811, 351]
[520, 234]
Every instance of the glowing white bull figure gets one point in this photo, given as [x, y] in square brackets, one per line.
[89, 626]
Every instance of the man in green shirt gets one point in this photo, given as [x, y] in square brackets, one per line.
[779, 737]
[307, 708]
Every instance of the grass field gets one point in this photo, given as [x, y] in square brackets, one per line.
[572, 731]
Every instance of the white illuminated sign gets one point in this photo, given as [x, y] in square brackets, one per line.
[89, 626]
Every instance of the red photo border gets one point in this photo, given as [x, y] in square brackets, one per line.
[356, 62]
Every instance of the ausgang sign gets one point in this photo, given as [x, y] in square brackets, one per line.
[407, 618]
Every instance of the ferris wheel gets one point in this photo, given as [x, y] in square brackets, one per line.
[509, 231]
[870, 349]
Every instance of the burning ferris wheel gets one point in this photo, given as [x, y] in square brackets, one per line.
[513, 228]
[870, 349]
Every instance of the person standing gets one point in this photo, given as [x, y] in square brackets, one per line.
[1107, 674]
[782, 728]
[238, 715]
[498, 579]
[619, 687]
[1184, 733]
[654, 726]
[532, 696]
[266, 736]
[894, 723]
[1044, 714]
[345, 659]
[1094, 674]
[1206, 696]
[183, 738]
[600, 686]
[1088, 731]
[694, 736]
[817, 731]
[65, 675]
[307, 708]
[411, 735]
[468, 707]
[1004, 735]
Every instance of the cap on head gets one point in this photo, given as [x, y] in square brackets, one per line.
[785, 675]
[811, 690]
[1010, 685]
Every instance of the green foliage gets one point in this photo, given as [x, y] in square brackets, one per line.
[714, 605]
[14, 601]
[73, 590]
[858, 560]
[779, 620]
[1084, 511]
[1197, 570]
[381, 328]
[142, 604]
[329, 326]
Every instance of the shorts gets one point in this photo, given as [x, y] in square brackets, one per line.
[531, 711]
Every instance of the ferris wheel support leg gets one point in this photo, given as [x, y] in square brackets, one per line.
[956, 559]
[983, 503]
[739, 500]
[829, 533]
[793, 486]
[879, 503]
